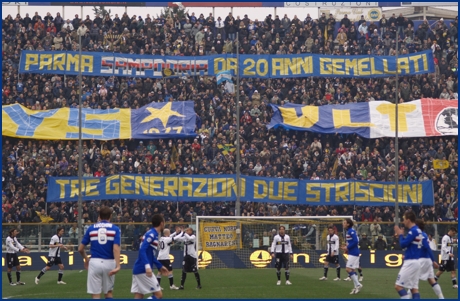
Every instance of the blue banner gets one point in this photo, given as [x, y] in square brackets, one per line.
[254, 189]
[256, 66]
[240, 259]
[153, 121]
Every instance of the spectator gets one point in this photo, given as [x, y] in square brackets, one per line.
[380, 244]
[364, 243]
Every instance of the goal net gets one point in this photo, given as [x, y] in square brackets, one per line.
[245, 242]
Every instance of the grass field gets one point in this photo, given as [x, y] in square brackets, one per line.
[229, 283]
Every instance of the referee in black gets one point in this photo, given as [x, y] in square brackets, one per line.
[282, 248]
[12, 248]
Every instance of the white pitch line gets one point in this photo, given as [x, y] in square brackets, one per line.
[17, 296]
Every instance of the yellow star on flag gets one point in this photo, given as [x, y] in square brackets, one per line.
[163, 114]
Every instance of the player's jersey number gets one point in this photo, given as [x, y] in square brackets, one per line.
[102, 236]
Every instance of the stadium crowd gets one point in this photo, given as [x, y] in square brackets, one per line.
[27, 164]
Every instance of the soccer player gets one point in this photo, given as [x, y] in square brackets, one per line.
[282, 249]
[12, 248]
[409, 274]
[352, 250]
[332, 254]
[427, 261]
[190, 257]
[163, 256]
[104, 263]
[144, 282]
[54, 256]
[447, 256]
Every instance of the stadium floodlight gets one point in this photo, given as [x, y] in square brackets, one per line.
[245, 241]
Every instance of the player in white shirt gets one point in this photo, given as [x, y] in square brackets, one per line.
[332, 253]
[163, 256]
[12, 248]
[54, 256]
[190, 257]
[427, 262]
[447, 256]
[282, 251]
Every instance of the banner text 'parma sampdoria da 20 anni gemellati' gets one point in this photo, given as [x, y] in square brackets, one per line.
[254, 189]
[419, 118]
[153, 121]
[256, 66]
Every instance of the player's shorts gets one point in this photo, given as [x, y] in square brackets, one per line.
[144, 285]
[166, 263]
[12, 260]
[54, 261]
[353, 262]
[447, 266]
[409, 274]
[189, 265]
[426, 269]
[282, 260]
[332, 259]
[99, 280]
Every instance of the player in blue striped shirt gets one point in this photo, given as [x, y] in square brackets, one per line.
[409, 274]
[144, 282]
[105, 242]
[352, 249]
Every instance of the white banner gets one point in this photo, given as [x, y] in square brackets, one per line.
[354, 14]
[331, 4]
[14, 3]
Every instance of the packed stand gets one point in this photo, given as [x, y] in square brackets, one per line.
[27, 164]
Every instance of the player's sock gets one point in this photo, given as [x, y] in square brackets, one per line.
[182, 279]
[286, 273]
[354, 277]
[403, 294]
[338, 271]
[325, 271]
[9, 277]
[278, 274]
[60, 274]
[159, 278]
[42, 272]
[153, 297]
[18, 275]
[360, 272]
[436, 278]
[416, 296]
[171, 280]
[197, 277]
[437, 290]
[454, 281]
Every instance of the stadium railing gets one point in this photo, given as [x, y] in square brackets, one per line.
[36, 236]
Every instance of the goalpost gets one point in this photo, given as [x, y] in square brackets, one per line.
[245, 241]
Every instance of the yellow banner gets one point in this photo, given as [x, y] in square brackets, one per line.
[62, 124]
[218, 236]
[440, 164]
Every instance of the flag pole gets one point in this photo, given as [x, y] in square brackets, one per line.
[238, 155]
[80, 148]
[396, 136]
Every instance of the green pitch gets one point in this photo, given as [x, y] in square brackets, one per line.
[229, 283]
